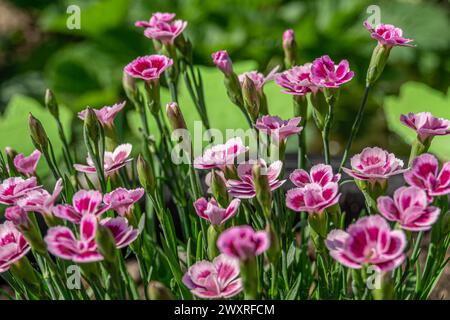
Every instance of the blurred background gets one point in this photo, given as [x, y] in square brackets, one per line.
[84, 67]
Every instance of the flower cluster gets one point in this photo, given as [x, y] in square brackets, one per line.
[235, 235]
[311, 77]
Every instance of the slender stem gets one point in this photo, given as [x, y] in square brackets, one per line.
[355, 127]
[173, 91]
[326, 133]
[301, 110]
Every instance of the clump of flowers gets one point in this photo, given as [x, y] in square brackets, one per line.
[220, 223]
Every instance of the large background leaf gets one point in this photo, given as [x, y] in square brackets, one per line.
[418, 97]
[14, 126]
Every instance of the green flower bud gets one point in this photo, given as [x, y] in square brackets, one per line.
[91, 125]
[234, 91]
[251, 98]
[106, 243]
[38, 133]
[212, 236]
[175, 116]
[185, 47]
[418, 147]
[262, 188]
[51, 103]
[145, 174]
[10, 153]
[378, 61]
[129, 86]
[273, 253]
[158, 291]
[219, 189]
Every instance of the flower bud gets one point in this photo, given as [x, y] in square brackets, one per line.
[185, 47]
[106, 243]
[212, 236]
[234, 91]
[319, 119]
[91, 125]
[158, 291]
[273, 253]
[223, 61]
[419, 147]
[145, 174]
[262, 188]
[51, 104]
[290, 48]
[251, 98]
[29, 228]
[38, 133]
[10, 152]
[378, 61]
[175, 116]
[129, 86]
[219, 189]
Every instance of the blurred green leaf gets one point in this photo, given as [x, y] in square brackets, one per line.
[418, 97]
[95, 16]
[14, 126]
[222, 113]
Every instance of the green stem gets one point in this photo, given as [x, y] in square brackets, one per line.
[326, 133]
[355, 127]
[249, 271]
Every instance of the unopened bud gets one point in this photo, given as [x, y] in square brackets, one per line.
[27, 227]
[175, 116]
[212, 236]
[234, 91]
[129, 86]
[185, 47]
[38, 133]
[10, 152]
[219, 188]
[378, 61]
[51, 103]
[290, 48]
[106, 243]
[145, 174]
[91, 125]
[251, 98]
[158, 291]
[262, 188]
[223, 61]
[273, 253]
